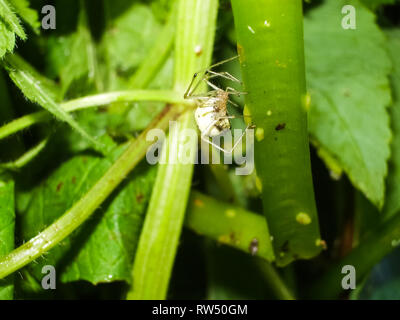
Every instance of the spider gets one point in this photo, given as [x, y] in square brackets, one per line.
[211, 112]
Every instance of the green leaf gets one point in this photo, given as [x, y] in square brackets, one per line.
[102, 249]
[392, 205]
[7, 223]
[75, 216]
[347, 72]
[147, 58]
[30, 16]
[41, 91]
[7, 39]
[80, 64]
[10, 18]
[129, 35]
[10, 24]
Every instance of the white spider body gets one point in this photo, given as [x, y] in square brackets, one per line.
[211, 116]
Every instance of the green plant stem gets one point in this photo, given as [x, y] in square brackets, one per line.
[371, 250]
[163, 223]
[162, 227]
[270, 46]
[275, 281]
[229, 224]
[89, 102]
[7, 225]
[82, 210]
[236, 227]
[26, 157]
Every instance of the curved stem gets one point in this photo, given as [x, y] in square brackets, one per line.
[102, 99]
[230, 225]
[26, 157]
[82, 210]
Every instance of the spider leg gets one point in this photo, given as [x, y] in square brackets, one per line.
[225, 75]
[190, 90]
[222, 62]
[218, 64]
[212, 85]
[234, 91]
[240, 139]
[232, 103]
[206, 138]
[201, 97]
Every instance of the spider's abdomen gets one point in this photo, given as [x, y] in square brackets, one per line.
[206, 121]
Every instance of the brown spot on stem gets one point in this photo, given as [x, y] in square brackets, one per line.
[139, 197]
[253, 247]
[285, 246]
[280, 126]
[198, 203]
[233, 238]
[59, 186]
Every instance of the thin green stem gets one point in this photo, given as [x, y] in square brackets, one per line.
[223, 180]
[370, 251]
[26, 157]
[97, 100]
[275, 281]
[82, 210]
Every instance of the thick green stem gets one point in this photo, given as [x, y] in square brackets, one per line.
[82, 210]
[162, 227]
[270, 45]
[230, 225]
[236, 227]
[92, 101]
[164, 219]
